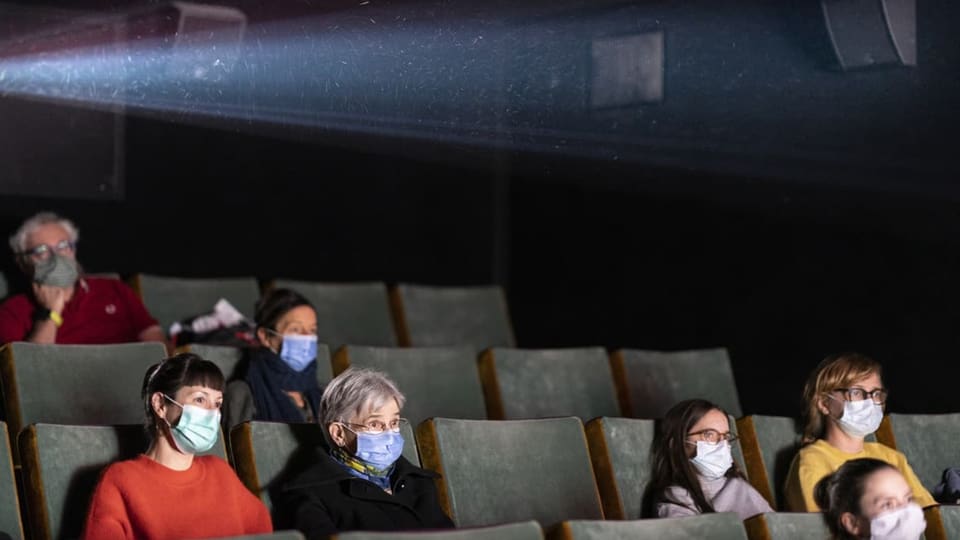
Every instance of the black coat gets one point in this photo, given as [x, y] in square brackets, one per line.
[325, 499]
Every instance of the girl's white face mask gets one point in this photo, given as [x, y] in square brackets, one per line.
[904, 523]
[860, 418]
[712, 460]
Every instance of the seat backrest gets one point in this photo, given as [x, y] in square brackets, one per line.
[720, 526]
[451, 316]
[769, 444]
[787, 526]
[650, 382]
[928, 440]
[435, 381]
[523, 383]
[943, 522]
[75, 384]
[348, 313]
[172, 299]
[10, 524]
[620, 450]
[267, 454]
[227, 359]
[61, 467]
[526, 530]
[495, 472]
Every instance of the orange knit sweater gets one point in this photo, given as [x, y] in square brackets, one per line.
[141, 498]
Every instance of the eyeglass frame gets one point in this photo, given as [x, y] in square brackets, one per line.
[866, 394]
[729, 436]
[367, 429]
[46, 249]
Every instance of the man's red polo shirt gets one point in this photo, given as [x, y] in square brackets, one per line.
[103, 311]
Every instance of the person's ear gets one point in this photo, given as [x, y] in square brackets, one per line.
[158, 404]
[851, 524]
[264, 337]
[337, 434]
[822, 405]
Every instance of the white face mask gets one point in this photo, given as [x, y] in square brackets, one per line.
[904, 523]
[860, 418]
[712, 460]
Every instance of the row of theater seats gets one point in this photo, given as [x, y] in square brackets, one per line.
[363, 313]
[503, 384]
[491, 474]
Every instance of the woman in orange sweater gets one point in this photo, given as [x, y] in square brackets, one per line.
[169, 492]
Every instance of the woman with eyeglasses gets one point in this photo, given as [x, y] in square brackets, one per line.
[277, 381]
[843, 403]
[869, 498]
[171, 491]
[362, 481]
[693, 468]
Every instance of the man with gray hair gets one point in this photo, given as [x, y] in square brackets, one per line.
[64, 306]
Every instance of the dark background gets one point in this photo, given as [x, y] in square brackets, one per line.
[770, 204]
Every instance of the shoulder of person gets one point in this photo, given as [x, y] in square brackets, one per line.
[405, 468]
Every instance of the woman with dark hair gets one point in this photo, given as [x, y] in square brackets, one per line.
[869, 498]
[843, 402]
[693, 468]
[169, 491]
[279, 381]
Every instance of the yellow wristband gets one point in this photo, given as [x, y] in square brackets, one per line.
[56, 318]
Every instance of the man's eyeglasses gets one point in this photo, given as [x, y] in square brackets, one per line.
[43, 251]
[375, 427]
[711, 436]
[878, 396]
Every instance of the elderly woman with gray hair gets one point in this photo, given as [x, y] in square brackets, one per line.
[362, 482]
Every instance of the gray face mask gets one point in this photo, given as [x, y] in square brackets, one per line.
[56, 271]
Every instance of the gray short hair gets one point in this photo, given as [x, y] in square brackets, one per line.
[355, 392]
[18, 241]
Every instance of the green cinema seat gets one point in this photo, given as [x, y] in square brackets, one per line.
[721, 526]
[10, 524]
[75, 384]
[526, 530]
[503, 471]
[787, 526]
[620, 449]
[527, 383]
[930, 442]
[650, 382]
[436, 381]
[474, 317]
[769, 444]
[172, 299]
[348, 313]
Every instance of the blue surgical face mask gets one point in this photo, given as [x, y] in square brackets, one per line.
[197, 430]
[860, 418]
[380, 450]
[712, 460]
[297, 351]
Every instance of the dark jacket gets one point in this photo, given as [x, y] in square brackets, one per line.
[325, 499]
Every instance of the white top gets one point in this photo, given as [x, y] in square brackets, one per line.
[724, 494]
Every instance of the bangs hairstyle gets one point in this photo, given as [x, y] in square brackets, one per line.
[669, 462]
[834, 372]
[840, 492]
[172, 374]
[355, 392]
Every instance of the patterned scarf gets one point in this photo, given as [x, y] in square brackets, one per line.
[361, 469]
